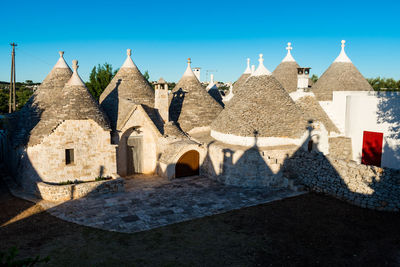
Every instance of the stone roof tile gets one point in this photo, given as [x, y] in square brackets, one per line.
[190, 104]
[341, 75]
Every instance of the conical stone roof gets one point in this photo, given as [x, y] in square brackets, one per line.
[190, 104]
[341, 75]
[74, 102]
[42, 99]
[242, 79]
[129, 84]
[286, 71]
[268, 111]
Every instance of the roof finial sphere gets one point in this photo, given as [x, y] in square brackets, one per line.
[343, 43]
[289, 46]
[189, 60]
[61, 53]
[75, 65]
[129, 52]
[261, 60]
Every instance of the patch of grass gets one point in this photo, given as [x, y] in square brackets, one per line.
[101, 178]
[72, 182]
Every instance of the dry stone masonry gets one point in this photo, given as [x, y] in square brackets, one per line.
[365, 186]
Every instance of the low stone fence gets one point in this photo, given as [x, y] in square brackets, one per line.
[365, 186]
[61, 193]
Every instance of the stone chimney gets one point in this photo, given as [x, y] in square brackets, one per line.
[196, 72]
[161, 98]
[303, 74]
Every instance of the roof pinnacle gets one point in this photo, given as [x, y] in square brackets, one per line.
[128, 61]
[189, 71]
[75, 65]
[61, 62]
[248, 70]
[289, 46]
[342, 56]
[289, 57]
[261, 70]
[75, 79]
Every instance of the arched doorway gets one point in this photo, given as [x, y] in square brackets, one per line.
[134, 155]
[188, 164]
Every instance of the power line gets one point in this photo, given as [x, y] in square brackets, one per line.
[33, 56]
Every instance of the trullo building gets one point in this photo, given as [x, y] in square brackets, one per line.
[68, 133]
[286, 71]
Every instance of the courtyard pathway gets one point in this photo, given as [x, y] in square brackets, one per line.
[150, 202]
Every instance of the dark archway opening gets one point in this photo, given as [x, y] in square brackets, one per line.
[188, 164]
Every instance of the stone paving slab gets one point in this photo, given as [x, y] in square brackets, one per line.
[151, 202]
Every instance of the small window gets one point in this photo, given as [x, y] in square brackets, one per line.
[69, 156]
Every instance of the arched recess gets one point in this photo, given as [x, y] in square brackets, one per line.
[137, 149]
[188, 164]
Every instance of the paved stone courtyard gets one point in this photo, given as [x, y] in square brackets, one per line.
[150, 202]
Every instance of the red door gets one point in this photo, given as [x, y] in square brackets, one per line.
[372, 148]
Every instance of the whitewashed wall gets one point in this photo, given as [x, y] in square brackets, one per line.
[376, 112]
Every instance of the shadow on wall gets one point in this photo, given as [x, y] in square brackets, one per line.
[389, 112]
[110, 105]
[215, 93]
[18, 162]
[175, 108]
[20, 125]
[366, 186]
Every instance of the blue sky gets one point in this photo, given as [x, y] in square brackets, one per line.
[217, 35]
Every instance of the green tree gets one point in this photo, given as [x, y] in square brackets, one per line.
[23, 95]
[388, 84]
[4, 101]
[99, 78]
[146, 75]
[314, 78]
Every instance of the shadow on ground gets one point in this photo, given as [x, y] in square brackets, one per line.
[307, 230]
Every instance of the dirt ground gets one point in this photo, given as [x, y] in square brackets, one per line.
[309, 230]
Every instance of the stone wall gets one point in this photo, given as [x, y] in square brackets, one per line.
[93, 155]
[340, 148]
[61, 193]
[365, 186]
[244, 166]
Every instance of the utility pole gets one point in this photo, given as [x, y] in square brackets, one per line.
[11, 107]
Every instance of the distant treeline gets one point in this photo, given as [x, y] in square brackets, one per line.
[23, 91]
[384, 84]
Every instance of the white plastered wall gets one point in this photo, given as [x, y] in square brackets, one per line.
[249, 141]
[365, 112]
[336, 109]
